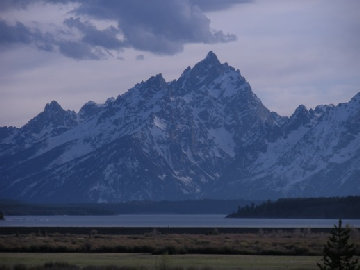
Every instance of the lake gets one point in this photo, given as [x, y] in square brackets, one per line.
[168, 221]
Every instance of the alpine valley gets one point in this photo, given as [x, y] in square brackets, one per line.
[204, 135]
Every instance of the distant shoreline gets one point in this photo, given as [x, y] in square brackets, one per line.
[205, 206]
[143, 230]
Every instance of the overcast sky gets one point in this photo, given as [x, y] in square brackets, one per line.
[72, 51]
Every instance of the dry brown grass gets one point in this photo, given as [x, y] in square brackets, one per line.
[272, 243]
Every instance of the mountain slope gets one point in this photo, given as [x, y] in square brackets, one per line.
[205, 134]
[318, 155]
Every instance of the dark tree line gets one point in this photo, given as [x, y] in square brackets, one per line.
[206, 206]
[336, 207]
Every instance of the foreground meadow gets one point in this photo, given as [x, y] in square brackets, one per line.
[107, 261]
[272, 243]
[40, 249]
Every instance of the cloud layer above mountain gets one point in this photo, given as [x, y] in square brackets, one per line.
[157, 26]
[292, 52]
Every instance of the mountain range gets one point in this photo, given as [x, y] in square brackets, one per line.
[204, 135]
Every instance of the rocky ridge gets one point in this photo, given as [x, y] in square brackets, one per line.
[204, 135]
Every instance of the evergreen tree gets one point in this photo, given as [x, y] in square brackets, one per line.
[338, 252]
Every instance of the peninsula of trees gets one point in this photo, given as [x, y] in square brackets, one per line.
[335, 207]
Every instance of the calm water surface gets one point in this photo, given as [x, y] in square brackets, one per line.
[168, 221]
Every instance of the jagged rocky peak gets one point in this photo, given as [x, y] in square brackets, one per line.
[145, 91]
[53, 116]
[88, 110]
[301, 116]
[152, 85]
[89, 104]
[155, 81]
[209, 64]
[206, 72]
[6, 132]
[54, 111]
[211, 59]
[321, 109]
[53, 106]
[300, 112]
[356, 98]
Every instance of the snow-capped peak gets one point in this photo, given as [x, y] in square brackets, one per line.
[207, 71]
[203, 135]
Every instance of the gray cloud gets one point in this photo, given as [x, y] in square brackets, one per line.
[13, 4]
[215, 5]
[205, 5]
[104, 38]
[21, 34]
[18, 33]
[140, 57]
[78, 50]
[157, 26]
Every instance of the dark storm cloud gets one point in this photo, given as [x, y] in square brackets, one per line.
[104, 38]
[23, 4]
[20, 34]
[157, 26]
[78, 50]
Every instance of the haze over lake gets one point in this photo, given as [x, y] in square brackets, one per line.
[166, 220]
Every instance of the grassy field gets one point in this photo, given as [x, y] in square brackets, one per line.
[275, 249]
[146, 261]
[275, 243]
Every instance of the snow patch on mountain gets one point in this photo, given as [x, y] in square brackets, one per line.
[159, 123]
[224, 140]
